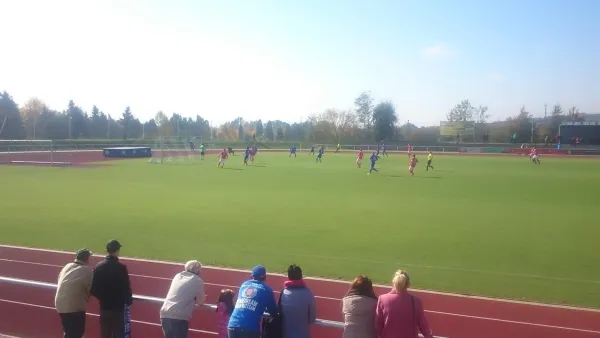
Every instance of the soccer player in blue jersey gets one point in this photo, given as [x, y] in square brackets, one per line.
[320, 155]
[293, 150]
[247, 155]
[383, 151]
[373, 159]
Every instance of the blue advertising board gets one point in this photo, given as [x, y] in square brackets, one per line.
[128, 152]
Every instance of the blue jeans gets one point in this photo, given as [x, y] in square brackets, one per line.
[174, 328]
[240, 333]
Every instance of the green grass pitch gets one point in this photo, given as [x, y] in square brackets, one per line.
[496, 226]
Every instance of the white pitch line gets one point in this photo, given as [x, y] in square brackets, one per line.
[93, 314]
[134, 259]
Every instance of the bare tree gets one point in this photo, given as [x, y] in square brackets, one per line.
[464, 111]
[30, 112]
[481, 114]
[335, 122]
[163, 124]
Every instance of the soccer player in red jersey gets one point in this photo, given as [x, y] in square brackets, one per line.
[222, 158]
[252, 153]
[534, 156]
[359, 158]
[410, 150]
[412, 164]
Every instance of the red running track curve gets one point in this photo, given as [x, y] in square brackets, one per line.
[29, 312]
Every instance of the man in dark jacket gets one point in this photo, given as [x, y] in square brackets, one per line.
[111, 286]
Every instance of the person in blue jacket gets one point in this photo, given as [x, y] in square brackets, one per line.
[254, 297]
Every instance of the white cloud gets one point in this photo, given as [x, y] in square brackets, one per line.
[438, 50]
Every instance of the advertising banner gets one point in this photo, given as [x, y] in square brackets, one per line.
[454, 128]
[551, 151]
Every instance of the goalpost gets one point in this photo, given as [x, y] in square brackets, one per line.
[34, 152]
[172, 149]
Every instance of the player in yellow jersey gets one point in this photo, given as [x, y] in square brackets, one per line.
[429, 159]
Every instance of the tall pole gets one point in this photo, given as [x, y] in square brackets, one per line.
[108, 128]
[545, 111]
[532, 122]
[70, 128]
[143, 130]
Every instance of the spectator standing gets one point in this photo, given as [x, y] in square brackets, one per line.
[297, 305]
[358, 307]
[112, 288]
[254, 297]
[224, 310]
[73, 293]
[186, 291]
[400, 314]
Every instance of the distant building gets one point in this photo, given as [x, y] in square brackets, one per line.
[591, 117]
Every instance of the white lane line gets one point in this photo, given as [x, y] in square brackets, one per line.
[133, 259]
[337, 299]
[92, 314]
[516, 322]
[435, 312]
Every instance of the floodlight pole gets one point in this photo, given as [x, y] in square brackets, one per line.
[532, 123]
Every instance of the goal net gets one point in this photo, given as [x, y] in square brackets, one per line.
[32, 152]
[173, 149]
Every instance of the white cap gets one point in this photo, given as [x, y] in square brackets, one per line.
[193, 267]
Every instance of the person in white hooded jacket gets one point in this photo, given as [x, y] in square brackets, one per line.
[186, 291]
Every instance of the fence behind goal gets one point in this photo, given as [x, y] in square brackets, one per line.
[173, 149]
[34, 152]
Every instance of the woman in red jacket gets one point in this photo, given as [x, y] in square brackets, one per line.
[400, 314]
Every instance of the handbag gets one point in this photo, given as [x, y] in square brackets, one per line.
[273, 327]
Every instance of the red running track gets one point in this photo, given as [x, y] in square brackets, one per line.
[29, 312]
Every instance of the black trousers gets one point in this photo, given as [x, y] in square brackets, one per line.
[112, 324]
[73, 324]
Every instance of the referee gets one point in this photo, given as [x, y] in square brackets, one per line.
[429, 159]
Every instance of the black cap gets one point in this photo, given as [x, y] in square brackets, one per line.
[83, 254]
[113, 246]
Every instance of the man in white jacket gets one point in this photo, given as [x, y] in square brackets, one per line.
[186, 291]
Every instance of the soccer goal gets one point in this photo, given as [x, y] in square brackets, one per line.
[172, 149]
[29, 152]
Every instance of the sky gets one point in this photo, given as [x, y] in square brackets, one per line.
[287, 60]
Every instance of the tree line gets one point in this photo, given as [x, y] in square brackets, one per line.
[367, 122]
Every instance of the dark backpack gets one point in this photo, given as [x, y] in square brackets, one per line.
[273, 327]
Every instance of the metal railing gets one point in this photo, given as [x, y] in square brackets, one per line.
[155, 300]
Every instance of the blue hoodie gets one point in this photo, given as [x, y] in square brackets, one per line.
[253, 299]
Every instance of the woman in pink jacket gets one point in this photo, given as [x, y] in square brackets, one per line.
[400, 314]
